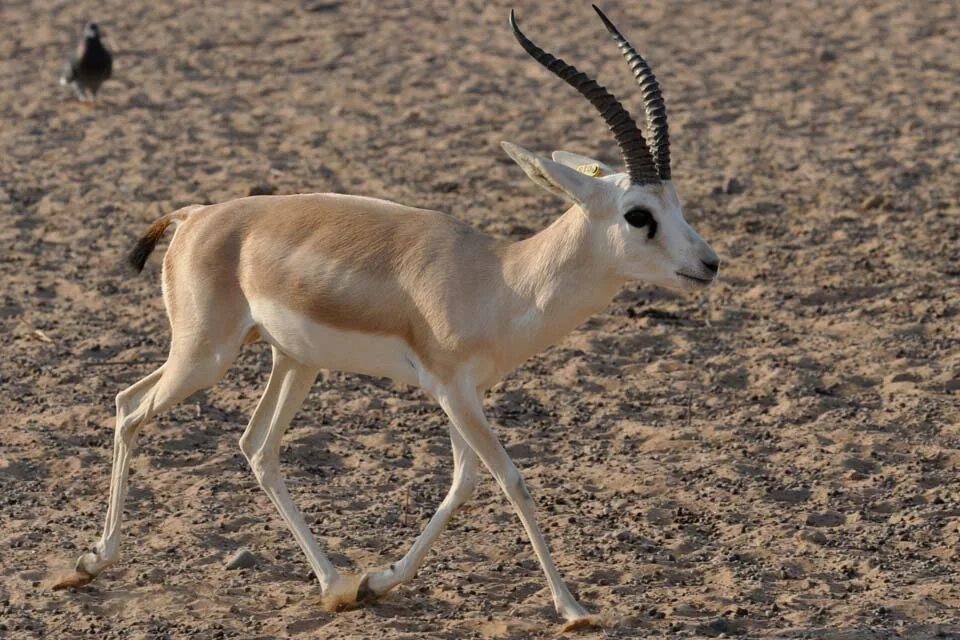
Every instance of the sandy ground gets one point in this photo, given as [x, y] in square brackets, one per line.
[776, 458]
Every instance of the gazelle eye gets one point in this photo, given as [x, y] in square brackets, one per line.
[641, 217]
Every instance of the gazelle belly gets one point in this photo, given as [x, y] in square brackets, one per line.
[326, 347]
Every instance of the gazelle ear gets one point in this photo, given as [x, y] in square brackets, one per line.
[556, 178]
[583, 164]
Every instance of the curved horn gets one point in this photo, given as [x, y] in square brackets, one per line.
[633, 148]
[652, 98]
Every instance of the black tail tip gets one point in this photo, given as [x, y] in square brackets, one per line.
[146, 244]
[137, 259]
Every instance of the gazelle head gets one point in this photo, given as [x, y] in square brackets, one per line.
[635, 217]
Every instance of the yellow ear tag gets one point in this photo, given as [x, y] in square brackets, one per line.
[592, 169]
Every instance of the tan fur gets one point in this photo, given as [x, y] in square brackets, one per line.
[155, 231]
[366, 265]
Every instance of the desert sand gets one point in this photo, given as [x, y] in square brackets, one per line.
[775, 458]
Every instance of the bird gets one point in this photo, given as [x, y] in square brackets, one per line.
[90, 66]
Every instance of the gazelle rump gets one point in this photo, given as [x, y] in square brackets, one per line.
[359, 284]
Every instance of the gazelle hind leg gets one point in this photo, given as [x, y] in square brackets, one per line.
[464, 484]
[286, 390]
[128, 401]
[186, 371]
[461, 402]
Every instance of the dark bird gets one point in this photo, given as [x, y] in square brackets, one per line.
[90, 66]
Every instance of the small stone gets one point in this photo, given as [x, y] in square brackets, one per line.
[717, 627]
[243, 559]
[872, 202]
[262, 189]
[825, 519]
[446, 186]
[734, 186]
[322, 7]
[827, 55]
[686, 610]
[813, 536]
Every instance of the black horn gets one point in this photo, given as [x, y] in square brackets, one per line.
[652, 98]
[633, 148]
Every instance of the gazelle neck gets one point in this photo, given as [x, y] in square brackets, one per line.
[559, 279]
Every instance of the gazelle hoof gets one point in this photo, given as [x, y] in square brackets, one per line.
[343, 595]
[365, 594]
[78, 578]
[583, 622]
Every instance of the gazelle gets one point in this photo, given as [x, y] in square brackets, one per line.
[369, 286]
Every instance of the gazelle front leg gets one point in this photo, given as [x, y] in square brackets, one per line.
[461, 401]
[464, 483]
[286, 390]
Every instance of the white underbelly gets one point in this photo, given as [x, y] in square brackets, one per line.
[325, 347]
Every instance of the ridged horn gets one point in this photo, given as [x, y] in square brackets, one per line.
[633, 148]
[652, 98]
